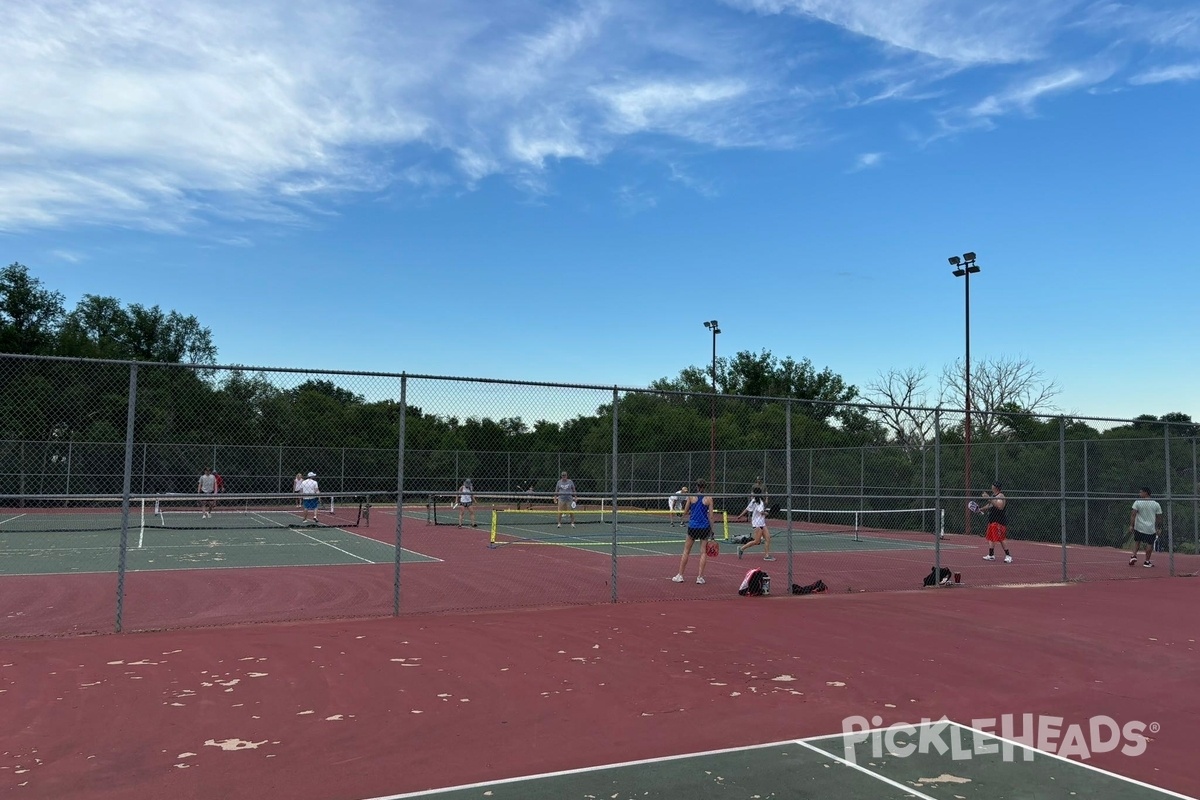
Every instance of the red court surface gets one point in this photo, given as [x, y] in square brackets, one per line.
[368, 708]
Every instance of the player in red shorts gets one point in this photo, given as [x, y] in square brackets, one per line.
[997, 529]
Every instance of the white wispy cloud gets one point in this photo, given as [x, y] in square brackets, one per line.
[969, 33]
[1023, 95]
[866, 161]
[1176, 73]
[157, 115]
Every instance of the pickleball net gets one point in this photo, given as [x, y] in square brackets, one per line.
[596, 521]
[70, 513]
[866, 524]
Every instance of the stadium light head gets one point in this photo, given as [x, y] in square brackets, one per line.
[712, 325]
[954, 261]
[968, 257]
[958, 273]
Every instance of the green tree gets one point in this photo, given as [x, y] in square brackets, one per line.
[30, 314]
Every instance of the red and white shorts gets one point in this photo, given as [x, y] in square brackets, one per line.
[997, 532]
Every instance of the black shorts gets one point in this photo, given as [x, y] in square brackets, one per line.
[1144, 538]
[700, 534]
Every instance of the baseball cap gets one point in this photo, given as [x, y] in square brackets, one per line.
[312, 474]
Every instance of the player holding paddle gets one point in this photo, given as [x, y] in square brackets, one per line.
[996, 509]
[757, 509]
[698, 513]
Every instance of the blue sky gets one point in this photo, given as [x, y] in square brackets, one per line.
[567, 190]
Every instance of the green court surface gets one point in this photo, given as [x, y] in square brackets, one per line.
[219, 542]
[947, 762]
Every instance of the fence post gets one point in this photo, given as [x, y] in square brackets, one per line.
[1195, 487]
[127, 480]
[1086, 503]
[615, 454]
[1170, 503]
[937, 486]
[862, 476]
[787, 438]
[400, 494]
[810, 483]
[70, 455]
[1062, 489]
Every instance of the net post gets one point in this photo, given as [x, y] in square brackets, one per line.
[493, 526]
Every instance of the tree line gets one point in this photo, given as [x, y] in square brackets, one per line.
[52, 401]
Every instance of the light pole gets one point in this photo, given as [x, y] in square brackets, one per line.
[712, 469]
[963, 268]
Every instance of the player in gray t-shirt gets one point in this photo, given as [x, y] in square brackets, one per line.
[564, 490]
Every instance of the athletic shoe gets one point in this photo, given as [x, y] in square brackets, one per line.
[1008, 559]
[678, 579]
[700, 581]
[945, 581]
[1133, 561]
[560, 524]
[989, 558]
[739, 551]
[768, 558]
[1147, 564]
[572, 524]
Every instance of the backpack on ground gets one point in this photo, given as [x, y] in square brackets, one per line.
[756, 582]
[935, 576]
[815, 587]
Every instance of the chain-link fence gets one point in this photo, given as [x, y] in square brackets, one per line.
[435, 494]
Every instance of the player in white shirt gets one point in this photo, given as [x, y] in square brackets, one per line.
[1145, 523]
[675, 504]
[466, 502]
[757, 510]
[308, 496]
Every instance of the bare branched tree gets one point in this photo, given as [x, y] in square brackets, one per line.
[1000, 384]
[901, 397]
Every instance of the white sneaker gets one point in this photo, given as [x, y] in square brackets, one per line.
[1008, 559]
[1148, 564]
[572, 524]
[989, 558]
[700, 580]
[560, 524]
[678, 579]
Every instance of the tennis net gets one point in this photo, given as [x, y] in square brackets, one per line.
[68, 513]
[864, 524]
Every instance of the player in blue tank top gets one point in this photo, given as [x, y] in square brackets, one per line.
[698, 512]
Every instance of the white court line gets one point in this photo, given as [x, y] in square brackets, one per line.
[597, 768]
[908, 790]
[1074, 763]
[802, 742]
[10, 519]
